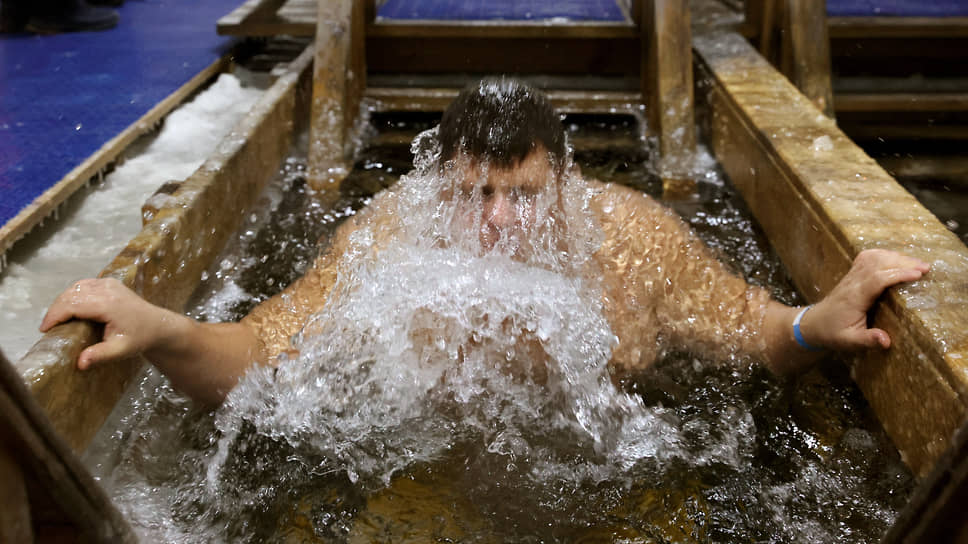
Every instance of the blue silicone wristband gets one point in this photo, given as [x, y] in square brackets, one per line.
[798, 336]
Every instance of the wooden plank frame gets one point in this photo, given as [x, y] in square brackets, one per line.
[808, 46]
[802, 48]
[349, 45]
[65, 502]
[898, 46]
[165, 261]
[667, 87]
[778, 148]
[384, 99]
[16, 523]
[898, 27]
[935, 511]
[339, 78]
[267, 18]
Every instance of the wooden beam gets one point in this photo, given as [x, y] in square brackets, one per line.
[920, 130]
[564, 101]
[898, 27]
[15, 520]
[339, 78]
[33, 448]
[270, 18]
[821, 200]
[667, 83]
[767, 20]
[634, 12]
[935, 511]
[165, 261]
[949, 170]
[809, 49]
[895, 102]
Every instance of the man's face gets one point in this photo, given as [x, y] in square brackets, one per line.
[506, 202]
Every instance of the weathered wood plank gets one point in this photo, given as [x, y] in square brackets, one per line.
[33, 448]
[239, 14]
[270, 18]
[165, 261]
[898, 27]
[805, 30]
[564, 101]
[667, 87]
[15, 520]
[802, 50]
[880, 130]
[46, 203]
[339, 78]
[876, 102]
[766, 15]
[935, 511]
[776, 147]
[950, 170]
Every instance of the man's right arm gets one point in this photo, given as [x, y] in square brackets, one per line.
[204, 360]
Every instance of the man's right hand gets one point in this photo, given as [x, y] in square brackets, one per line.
[131, 324]
[204, 360]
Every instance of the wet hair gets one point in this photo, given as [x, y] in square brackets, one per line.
[501, 120]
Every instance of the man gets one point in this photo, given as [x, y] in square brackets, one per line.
[504, 171]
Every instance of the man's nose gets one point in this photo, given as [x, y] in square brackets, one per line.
[500, 211]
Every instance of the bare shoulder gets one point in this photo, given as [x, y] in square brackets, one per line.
[618, 204]
[378, 211]
[275, 320]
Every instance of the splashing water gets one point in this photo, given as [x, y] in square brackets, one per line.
[469, 381]
[431, 341]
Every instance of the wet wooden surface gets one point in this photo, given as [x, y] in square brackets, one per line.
[164, 263]
[15, 521]
[437, 99]
[352, 46]
[270, 18]
[667, 84]
[47, 491]
[935, 512]
[339, 78]
[869, 56]
[808, 45]
[898, 27]
[821, 200]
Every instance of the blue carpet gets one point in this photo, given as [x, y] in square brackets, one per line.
[477, 10]
[897, 8]
[63, 96]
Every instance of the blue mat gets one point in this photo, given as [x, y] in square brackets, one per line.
[63, 96]
[511, 10]
[897, 8]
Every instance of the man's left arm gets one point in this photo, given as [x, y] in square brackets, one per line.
[700, 304]
[839, 321]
